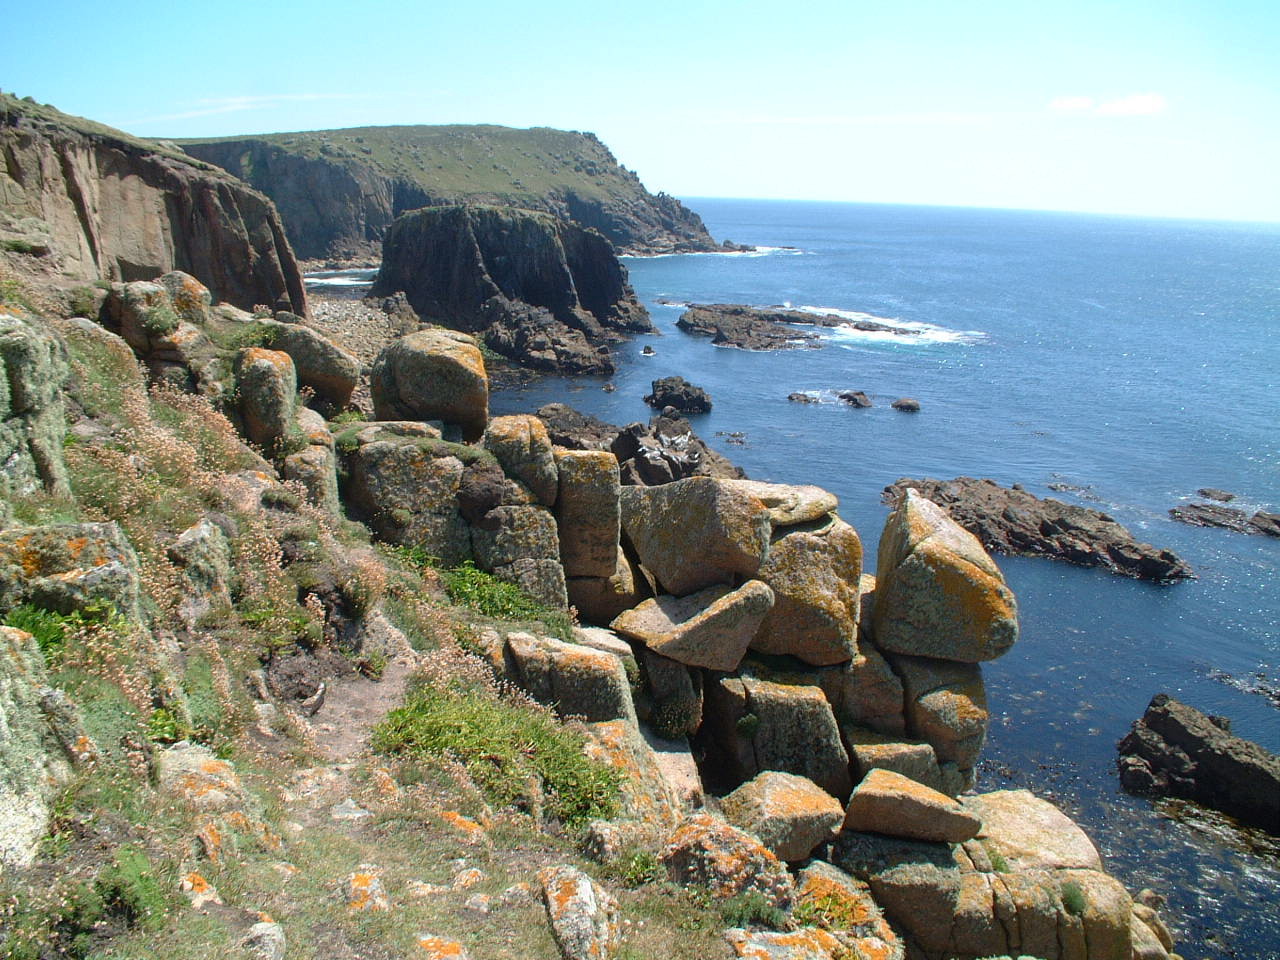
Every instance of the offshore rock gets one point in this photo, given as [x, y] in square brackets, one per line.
[938, 593]
[679, 393]
[434, 374]
[1177, 751]
[1016, 522]
[119, 208]
[752, 328]
[541, 291]
[1228, 518]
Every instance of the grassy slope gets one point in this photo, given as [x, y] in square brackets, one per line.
[469, 159]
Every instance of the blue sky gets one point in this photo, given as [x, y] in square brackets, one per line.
[1158, 108]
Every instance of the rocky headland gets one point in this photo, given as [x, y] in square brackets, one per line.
[340, 190]
[95, 204]
[756, 328]
[544, 291]
[1011, 520]
[280, 676]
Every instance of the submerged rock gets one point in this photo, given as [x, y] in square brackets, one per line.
[1016, 522]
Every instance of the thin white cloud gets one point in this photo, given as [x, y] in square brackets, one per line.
[1071, 104]
[950, 119]
[1133, 105]
[211, 106]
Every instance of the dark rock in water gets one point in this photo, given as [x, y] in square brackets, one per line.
[1229, 518]
[1177, 751]
[1017, 522]
[541, 291]
[665, 450]
[802, 398]
[1213, 493]
[752, 328]
[855, 398]
[647, 351]
[679, 393]
[906, 405]
[730, 247]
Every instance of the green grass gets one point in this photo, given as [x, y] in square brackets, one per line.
[1073, 898]
[510, 749]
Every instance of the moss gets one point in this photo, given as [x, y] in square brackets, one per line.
[747, 725]
[1073, 898]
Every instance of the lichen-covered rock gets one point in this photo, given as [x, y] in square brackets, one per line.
[947, 907]
[946, 706]
[865, 692]
[541, 579]
[267, 385]
[328, 369]
[646, 793]
[790, 815]
[709, 853]
[434, 374]
[938, 593]
[521, 444]
[362, 890]
[588, 511]
[750, 725]
[1030, 833]
[432, 947]
[194, 775]
[897, 806]
[807, 943]
[315, 466]
[696, 532]
[517, 532]
[32, 762]
[403, 480]
[33, 374]
[814, 574]
[844, 906]
[601, 599]
[870, 750]
[711, 628]
[583, 916]
[203, 556]
[265, 940]
[576, 680]
[68, 566]
[790, 504]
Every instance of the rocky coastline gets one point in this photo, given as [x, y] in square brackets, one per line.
[285, 671]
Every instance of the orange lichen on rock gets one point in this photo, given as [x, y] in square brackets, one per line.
[438, 948]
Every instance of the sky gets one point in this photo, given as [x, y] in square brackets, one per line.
[1167, 108]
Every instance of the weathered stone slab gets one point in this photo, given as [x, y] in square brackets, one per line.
[790, 815]
[889, 803]
[711, 628]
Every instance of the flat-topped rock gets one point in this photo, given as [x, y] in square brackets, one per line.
[1013, 521]
[1228, 518]
[789, 504]
[897, 806]
[1030, 833]
[771, 328]
[710, 628]
[791, 815]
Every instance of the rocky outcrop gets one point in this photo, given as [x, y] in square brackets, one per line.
[665, 450]
[433, 374]
[1228, 518]
[33, 372]
[889, 803]
[541, 291]
[754, 328]
[790, 815]
[339, 190]
[118, 208]
[1177, 751]
[680, 394]
[1011, 520]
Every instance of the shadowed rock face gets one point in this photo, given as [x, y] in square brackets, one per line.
[536, 289]
[117, 208]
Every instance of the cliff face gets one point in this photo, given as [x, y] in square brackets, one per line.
[537, 289]
[339, 190]
[107, 206]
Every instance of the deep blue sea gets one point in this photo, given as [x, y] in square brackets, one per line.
[1136, 359]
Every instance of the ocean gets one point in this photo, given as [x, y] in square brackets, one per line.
[1134, 360]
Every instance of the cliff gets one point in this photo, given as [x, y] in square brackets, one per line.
[339, 190]
[537, 289]
[103, 205]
